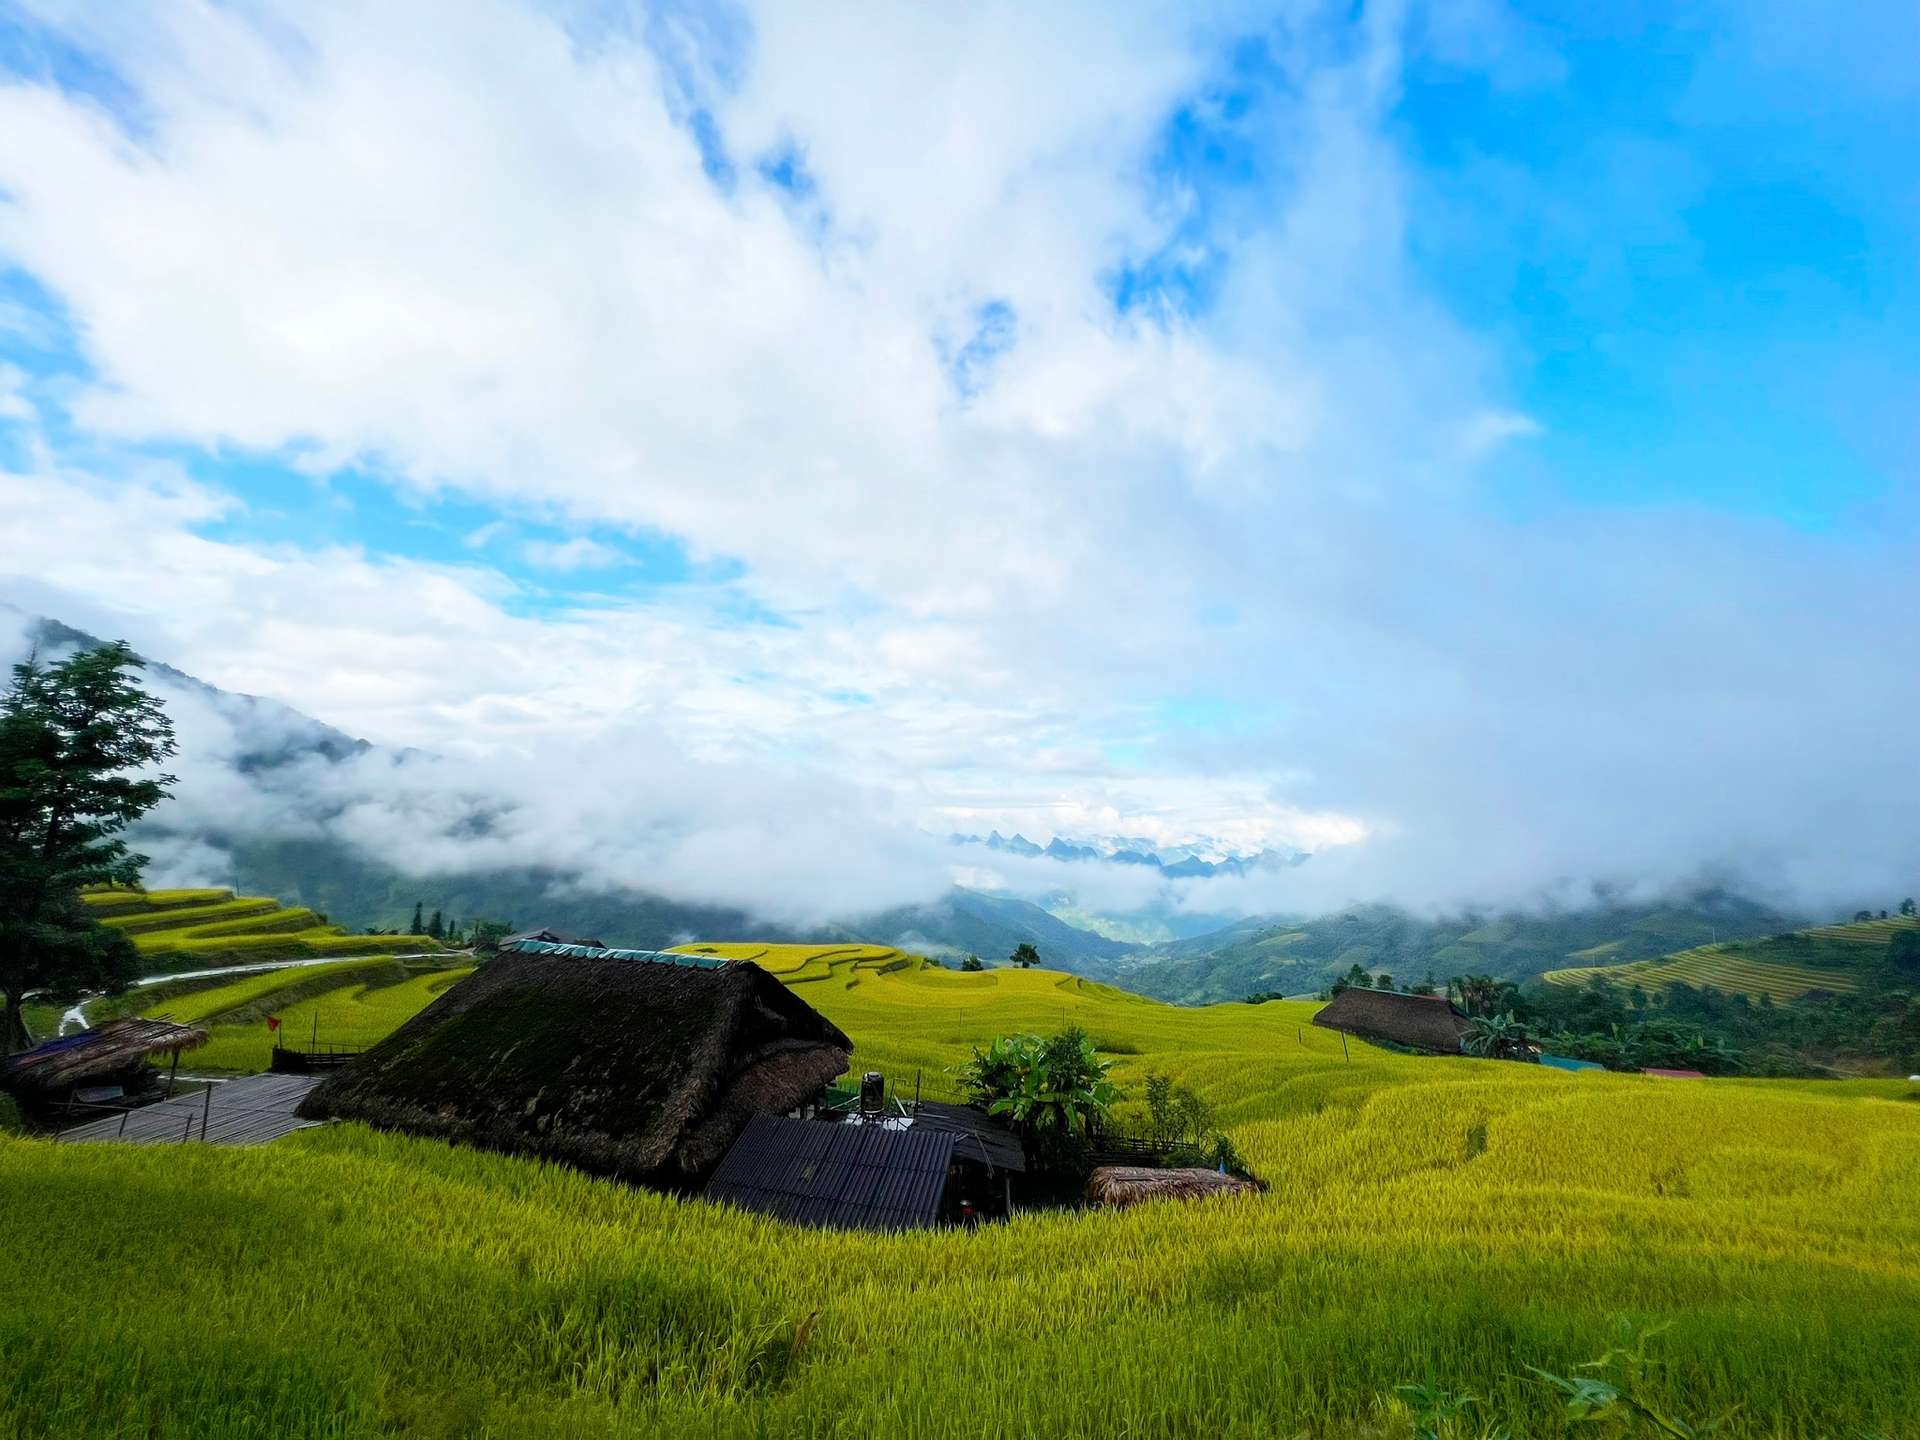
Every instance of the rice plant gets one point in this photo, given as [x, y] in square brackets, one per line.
[1439, 1223]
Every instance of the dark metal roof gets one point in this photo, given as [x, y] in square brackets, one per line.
[978, 1135]
[857, 1176]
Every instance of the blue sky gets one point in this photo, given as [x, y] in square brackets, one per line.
[1033, 417]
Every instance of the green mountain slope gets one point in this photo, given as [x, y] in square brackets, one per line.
[1298, 956]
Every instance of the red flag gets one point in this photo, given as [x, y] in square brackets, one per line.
[273, 1022]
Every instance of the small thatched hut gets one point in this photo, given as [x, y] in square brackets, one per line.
[636, 1064]
[1419, 1022]
[1119, 1186]
[112, 1059]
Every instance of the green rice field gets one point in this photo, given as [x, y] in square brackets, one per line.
[178, 930]
[1444, 1220]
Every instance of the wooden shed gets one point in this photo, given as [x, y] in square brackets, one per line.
[110, 1061]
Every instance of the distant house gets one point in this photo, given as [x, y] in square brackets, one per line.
[1419, 1022]
[547, 937]
[110, 1062]
[637, 1064]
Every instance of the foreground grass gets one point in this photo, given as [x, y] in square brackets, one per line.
[1451, 1220]
[346, 1283]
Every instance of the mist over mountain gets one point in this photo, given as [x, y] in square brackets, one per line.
[273, 801]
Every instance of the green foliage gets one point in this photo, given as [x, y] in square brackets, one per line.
[79, 741]
[1437, 1411]
[972, 964]
[1618, 1399]
[1024, 955]
[1497, 1037]
[9, 1116]
[1047, 1089]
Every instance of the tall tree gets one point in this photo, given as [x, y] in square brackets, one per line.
[436, 927]
[79, 740]
[1024, 955]
[419, 925]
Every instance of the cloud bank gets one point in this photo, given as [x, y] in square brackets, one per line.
[1025, 476]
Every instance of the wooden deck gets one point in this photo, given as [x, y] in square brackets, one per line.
[249, 1111]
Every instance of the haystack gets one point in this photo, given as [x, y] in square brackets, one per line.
[645, 1067]
[1419, 1022]
[117, 1051]
[1119, 1186]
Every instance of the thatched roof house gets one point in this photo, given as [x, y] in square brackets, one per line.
[1119, 1186]
[116, 1052]
[1419, 1022]
[645, 1068]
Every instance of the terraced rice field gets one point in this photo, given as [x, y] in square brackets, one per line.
[1427, 1220]
[1722, 967]
[800, 964]
[352, 1004]
[1782, 967]
[204, 929]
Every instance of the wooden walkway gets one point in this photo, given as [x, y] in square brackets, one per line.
[249, 1111]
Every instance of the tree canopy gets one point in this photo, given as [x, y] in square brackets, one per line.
[79, 745]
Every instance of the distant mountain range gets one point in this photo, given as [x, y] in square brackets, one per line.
[1231, 959]
[1198, 860]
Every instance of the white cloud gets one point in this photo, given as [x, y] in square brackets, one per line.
[567, 556]
[474, 253]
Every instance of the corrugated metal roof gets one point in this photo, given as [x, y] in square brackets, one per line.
[852, 1176]
[978, 1136]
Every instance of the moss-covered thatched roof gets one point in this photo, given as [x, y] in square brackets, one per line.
[646, 1069]
[1420, 1022]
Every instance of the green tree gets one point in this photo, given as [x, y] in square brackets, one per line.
[1024, 955]
[1481, 994]
[79, 743]
[1903, 954]
[972, 962]
[1428, 986]
[419, 925]
[436, 927]
[1906, 906]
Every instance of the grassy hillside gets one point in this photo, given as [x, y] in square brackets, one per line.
[1444, 1220]
[1780, 967]
[1301, 956]
[205, 929]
